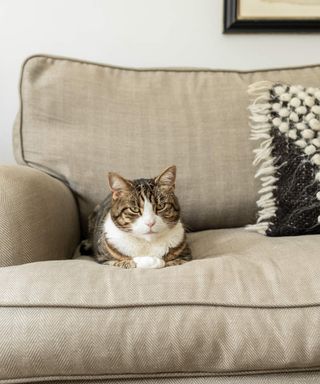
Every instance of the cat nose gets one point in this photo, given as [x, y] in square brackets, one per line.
[150, 223]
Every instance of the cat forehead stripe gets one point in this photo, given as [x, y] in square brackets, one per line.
[147, 208]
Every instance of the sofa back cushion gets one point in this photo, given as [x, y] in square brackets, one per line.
[79, 120]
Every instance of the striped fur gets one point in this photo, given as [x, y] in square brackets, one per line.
[126, 206]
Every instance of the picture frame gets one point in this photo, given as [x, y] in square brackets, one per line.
[234, 24]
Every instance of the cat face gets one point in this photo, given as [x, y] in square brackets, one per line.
[145, 207]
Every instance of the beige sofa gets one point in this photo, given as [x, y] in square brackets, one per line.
[245, 310]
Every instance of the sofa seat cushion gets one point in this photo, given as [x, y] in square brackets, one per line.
[246, 303]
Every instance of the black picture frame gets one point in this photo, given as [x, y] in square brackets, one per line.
[233, 25]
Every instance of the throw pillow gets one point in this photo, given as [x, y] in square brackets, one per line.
[287, 120]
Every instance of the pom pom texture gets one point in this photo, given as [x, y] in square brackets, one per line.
[286, 121]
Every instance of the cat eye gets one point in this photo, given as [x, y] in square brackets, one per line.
[161, 207]
[134, 209]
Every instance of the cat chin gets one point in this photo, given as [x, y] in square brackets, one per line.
[148, 236]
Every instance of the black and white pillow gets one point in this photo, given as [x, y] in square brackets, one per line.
[287, 120]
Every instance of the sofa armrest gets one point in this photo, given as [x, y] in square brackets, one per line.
[38, 217]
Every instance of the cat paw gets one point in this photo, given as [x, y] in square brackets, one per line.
[126, 263]
[148, 262]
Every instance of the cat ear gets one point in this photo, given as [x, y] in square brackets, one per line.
[118, 184]
[167, 178]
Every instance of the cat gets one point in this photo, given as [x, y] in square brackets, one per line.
[138, 225]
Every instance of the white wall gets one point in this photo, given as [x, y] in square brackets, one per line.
[138, 33]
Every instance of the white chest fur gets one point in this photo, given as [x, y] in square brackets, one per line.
[149, 246]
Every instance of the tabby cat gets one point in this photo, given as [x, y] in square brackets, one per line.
[138, 225]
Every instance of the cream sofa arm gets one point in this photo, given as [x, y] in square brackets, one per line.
[38, 217]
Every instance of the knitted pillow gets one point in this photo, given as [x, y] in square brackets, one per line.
[287, 118]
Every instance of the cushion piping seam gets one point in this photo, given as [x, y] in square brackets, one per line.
[75, 306]
[178, 374]
[164, 69]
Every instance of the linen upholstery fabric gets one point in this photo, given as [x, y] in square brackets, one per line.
[79, 120]
[38, 217]
[245, 304]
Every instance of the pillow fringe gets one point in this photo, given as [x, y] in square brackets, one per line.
[260, 130]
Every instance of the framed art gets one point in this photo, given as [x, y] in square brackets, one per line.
[271, 16]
